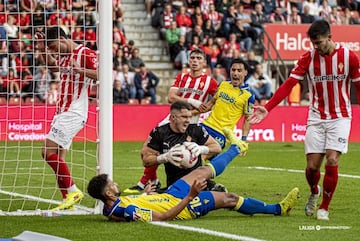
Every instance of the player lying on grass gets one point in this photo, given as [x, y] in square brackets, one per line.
[184, 199]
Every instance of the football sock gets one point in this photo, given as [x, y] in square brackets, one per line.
[220, 162]
[312, 178]
[252, 206]
[62, 172]
[149, 174]
[329, 185]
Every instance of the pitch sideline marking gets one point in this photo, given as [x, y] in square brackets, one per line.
[297, 171]
[206, 231]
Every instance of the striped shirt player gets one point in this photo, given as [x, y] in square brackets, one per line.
[77, 66]
[329, 68]
[195, 90]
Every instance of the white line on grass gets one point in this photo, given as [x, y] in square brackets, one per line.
[207, 231]
[298, 171]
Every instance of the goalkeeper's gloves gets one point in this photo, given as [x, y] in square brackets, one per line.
[196, 149]
[194, 103]
[174, 156]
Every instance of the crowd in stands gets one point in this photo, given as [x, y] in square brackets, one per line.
[226, 29]
[223, 29]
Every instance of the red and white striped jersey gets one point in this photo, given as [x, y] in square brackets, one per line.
[329, 78]
[74, 87]
[198, 88]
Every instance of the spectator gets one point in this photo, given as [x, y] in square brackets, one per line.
[228, 50]
[269, 6]
[165, 20]
[183, 21]
[120, 95]
[52, 94]
[334, 17]
[260, 84]
[127, 80]
[78, 35]
[118, 36]
[222, 6]
[135, 60]
[228, 20]
[324, 10]
[119, 60]
[214, 16]
[198, 30]
[213, 52]
[178, 53]
[241, 36]
[277, 16]
[28, 5]
[11, 83]
[217, 75]
[38, 20]
[313, 6]
[306, 17]
[258, 19]
[348, 18]
[172, 34]
[42, 80]
[246, 21]
[197, 18]
[208, 30]
[146, 83]
[90, 38]
[12, 33]
[128, 49]
[252, 63]
[293, 17]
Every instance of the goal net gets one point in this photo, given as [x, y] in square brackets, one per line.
[27, 105]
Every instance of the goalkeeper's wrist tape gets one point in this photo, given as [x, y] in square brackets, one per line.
[161, 158]
[193, 102]
[243, 138]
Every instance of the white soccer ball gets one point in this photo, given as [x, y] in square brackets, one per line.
[188, 159]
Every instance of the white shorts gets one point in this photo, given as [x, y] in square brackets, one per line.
[64, 128]
[327, 134]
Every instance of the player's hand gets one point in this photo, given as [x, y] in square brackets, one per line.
[259, 114]
[150, 188]
[174, 156]
[203, 108]
[194, 103]
[196, 187]
[196, 149]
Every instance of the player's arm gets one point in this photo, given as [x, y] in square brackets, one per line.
[195, 189]
[207, 106]
[173, 97]
[151, 157]
[46, 57]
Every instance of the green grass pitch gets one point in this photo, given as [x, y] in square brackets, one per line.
[268, 172]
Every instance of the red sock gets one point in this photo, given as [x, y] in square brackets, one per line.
[329, 185]
[312, 178]
[61, 171]
[149, 174]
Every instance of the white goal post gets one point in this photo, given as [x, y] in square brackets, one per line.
[27, 183]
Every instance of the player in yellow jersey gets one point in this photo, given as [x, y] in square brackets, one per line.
[232, 100]
[184, 199]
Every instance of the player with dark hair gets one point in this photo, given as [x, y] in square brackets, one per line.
[77, 65]
[194, 87]
[330, 68]
[232, 100]
[184, 199]
[162, 139]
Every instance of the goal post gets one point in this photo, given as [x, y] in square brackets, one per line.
[27, 183]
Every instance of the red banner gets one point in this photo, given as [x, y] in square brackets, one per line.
[134, 123]
[291, 41]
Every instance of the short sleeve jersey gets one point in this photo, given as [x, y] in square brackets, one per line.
[162, 138]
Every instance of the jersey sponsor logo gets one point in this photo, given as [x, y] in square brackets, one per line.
[191, 90]
[329, 78]
[227, 97]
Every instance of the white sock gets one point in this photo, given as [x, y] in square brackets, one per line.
[73, 188]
